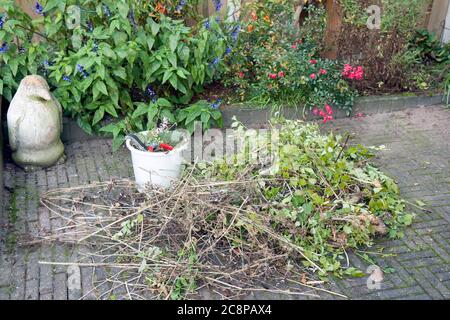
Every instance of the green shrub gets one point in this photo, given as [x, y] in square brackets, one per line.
[120, 62]
[276, 63]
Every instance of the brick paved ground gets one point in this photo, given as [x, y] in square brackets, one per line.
[417, 155]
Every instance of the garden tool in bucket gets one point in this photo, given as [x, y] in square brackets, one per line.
[157, 169]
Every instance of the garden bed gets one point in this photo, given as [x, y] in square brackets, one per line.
[251, 116]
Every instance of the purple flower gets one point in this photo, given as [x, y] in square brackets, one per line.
[106, 11]
[235, 32]
[218, 4]
[215, 61]
[47, 63]
[227, 51]
[67, 78]
[2, 21]
[38, 8]
[90, 27]
[132, 20]
[216, 104]
[151, 94]
[207, 25]
[181, 5]
[80, 69]
[4, 48]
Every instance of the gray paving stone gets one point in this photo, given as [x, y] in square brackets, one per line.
[417, 156]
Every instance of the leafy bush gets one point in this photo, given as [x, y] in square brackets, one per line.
[119, 61]
[429, 48]
[382, 52]
[272, 64]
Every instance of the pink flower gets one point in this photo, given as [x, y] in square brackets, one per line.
[313, 61]
[294, 46]
[272, 75]
[322, 72]
[328, 109]
[353, 73]
[241, 75]
[313, 76]
[327, 118]
[315, 111]
[281, 74]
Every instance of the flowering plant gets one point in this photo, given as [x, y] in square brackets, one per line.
[275, 64]
[118, 67]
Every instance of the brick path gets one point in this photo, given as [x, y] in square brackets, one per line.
[417, 155]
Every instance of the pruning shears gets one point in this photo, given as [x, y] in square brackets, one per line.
[150, 148]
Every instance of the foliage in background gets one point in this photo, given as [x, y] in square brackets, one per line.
[385, 54]
[124, 63]
[276, 62]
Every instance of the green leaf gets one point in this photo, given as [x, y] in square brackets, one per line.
[154, 26]
[173, 42]
[174, 81]
[84, 124]
[167, 76]
[421, 203]
[162, 102]
[51, 4]
[150, 43]
[205, 117]
[123, 9]
[120, 72]
[111, 110]
[347, 229]
[118, 142]
[14, 65]
[152, 112]
[141, 109]
[100, 85]
[98, 116]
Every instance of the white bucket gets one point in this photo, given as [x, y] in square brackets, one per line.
[159, 169]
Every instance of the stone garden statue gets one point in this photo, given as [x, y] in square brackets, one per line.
[35, 125]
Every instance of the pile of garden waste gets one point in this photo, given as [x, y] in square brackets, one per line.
[237, 225]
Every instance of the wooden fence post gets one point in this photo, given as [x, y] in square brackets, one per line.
[333, 29]
[438, 16]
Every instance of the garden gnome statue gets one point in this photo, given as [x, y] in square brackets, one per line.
[35, 125]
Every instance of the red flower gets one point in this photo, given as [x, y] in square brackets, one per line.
[313, 61]
[281, 74]
[327, 118]
[241, 75]
[313, 76]
[272, 75]
[353, 73]
[322, 72]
